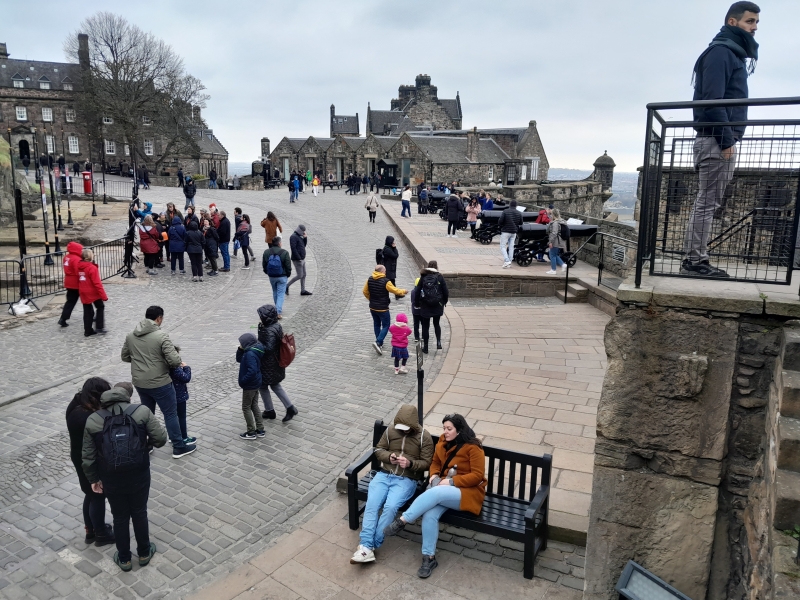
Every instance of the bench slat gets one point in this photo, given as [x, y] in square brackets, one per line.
[501, 477]
[522, 480]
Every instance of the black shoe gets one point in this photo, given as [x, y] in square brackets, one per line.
[88, 333]
[63, 323]
[305, 293]
[286, 292]
[89, 535]
[438, 345]
[125, 566]
[428, 565]
[181, 452]
[108, 538]
[145, 560]
[248, 435]
[261, 433]
[102, 331]
[702, 268]
[425, 347]
[290, 413]
[269, 414]
[394, 527]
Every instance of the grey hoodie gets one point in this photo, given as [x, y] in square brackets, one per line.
[151, 354]
[415, 444]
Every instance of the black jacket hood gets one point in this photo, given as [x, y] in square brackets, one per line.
[268, 314]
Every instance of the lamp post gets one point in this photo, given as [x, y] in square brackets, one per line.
[57, 248]
[420, 380]
[64, 153]
[57, 195]
[24, 290]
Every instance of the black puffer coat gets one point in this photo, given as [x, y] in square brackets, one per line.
[270, 334]
[454, 208]
[390, 255]
[195, 242]
[426, 310]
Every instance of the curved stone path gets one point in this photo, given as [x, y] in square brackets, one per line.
[214, 510]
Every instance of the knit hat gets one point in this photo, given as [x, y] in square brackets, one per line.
[301, 227]
[401, 318]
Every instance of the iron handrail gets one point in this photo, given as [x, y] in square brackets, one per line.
[781, 101]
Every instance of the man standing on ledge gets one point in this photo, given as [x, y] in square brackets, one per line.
[720, 73]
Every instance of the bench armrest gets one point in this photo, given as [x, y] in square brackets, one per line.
[352, 471]
[536, 504]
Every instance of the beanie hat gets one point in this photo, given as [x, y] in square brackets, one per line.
[401, 318]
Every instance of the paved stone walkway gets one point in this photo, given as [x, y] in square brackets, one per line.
[220, 507]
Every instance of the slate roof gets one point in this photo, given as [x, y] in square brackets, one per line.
[380, 118]
[348, 126]
[451, 107]
[386, 141]
[297, 143]
[453, 150]
[31, 71]
[324, 143]
[354, 142]
[209, 143]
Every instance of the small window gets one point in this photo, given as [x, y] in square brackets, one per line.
[524, 172]
[68, 87]
[22, 113]
[55, 70]
[70, 115]
[44, 85]
[111, 147]
[127, 150]
[108, 121]
[491, 173]
[73, 144]
[535, 168]
[405, 148]
[148, 147]
[18, 83]
[47, 115]
[51, 144]
[147, 121]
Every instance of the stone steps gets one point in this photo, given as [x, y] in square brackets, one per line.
[787, 499]
[789, 444]
[787, 475]
[575, 293]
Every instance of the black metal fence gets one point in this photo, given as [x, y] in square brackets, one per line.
[741, 217]
[44, 274]
[119, 189]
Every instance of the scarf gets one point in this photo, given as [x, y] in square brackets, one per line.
[741, 43]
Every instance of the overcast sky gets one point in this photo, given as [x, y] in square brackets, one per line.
[583, 69]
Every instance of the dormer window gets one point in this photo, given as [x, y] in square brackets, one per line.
[68, 87]
[44, 83]
[108, 121]
[67, 84]
[18, 81]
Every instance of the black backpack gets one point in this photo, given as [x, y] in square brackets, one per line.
[563, 232]
[379, 256]
[430, 292]
[123, 442]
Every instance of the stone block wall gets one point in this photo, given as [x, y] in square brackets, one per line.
[684, 480]
[497, 286]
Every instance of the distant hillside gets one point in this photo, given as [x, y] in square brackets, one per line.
[624, 186]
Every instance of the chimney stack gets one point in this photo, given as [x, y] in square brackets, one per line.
[3, 51]
[83, 51]
[264, 148]
[196, 114]
[472, 145]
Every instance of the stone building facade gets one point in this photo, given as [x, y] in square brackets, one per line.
[416, 106]
[346, 125]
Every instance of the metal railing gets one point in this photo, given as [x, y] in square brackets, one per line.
[42, 274]
[743, 215]
[121, 190]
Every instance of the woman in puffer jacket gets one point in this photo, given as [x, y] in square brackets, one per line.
[195, 242]
[92, 293]
[270, 334]
[177, 243]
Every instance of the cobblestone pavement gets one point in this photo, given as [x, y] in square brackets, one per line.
[214, 510]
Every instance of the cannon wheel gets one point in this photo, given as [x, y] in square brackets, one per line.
[524, 259]
[441, 214]
[485, 238]
[570, 258]
[462, 225]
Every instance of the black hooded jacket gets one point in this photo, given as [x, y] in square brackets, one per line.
[390, 255]
[270, 334]
[194, 239]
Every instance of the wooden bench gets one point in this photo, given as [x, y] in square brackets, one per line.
[331, 184]
[514, 507]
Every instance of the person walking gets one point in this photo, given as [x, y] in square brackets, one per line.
[400, 332]
[92, 294]
[295, 189]
[431, 295]
[720, 72]
[509, 222]
[149, 239]
[195, 243]
[364, 183]
[181, 377]
[405, 200]
[452, 211]
[309, 178]
[70, 266]
[277, 264]
[473, 210]
[249, 355]
[272, 227]
[390, 255]
[224, 234]
[405, 451]
[181, 181]
[236, 184]
[237, 221]
[458, 451]
[127, 489]
[189, 191]
[212, 246]
[151, 354]
[270, 334]
[377, 289]
[212, 179]
[26, 163]
[177, 244]
[555, 243]
[315, 185]
[83, 404]
[297, 243]
[372, 206]
[243, 237]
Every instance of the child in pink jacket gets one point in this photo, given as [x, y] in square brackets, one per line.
[400, 332]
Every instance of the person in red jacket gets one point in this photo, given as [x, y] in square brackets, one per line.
[93, 294]
[543, 219]
[71, 260]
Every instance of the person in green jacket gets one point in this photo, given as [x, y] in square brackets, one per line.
[126, 492]
[152, 354]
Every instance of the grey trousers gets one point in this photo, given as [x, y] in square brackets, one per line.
[300, 269]
[252, 414]
[715, 173]
[267, 399]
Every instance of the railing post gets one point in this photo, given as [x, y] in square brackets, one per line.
[420, 381]
[644, 213]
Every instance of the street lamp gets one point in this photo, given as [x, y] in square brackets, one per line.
[64, 153]
[48, 260]
[420, 380]
[56, 210]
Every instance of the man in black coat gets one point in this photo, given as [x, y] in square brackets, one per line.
[390, 256]
[270, 334]
[298, 242]
[224, 233]
[453, 210]
[510, 221]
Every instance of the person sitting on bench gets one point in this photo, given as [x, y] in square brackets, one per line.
[405, 452]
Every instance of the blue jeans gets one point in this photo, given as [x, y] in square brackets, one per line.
[381, 322]
[387, 491]
[278, 291]
[296, 193]
[431, 506]
[189, 202]
[507, 246]
[212, 184]
[164, 397]
[226, 257]
[406, 207]
[555, 258]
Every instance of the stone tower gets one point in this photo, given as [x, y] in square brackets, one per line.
[264, 148]
[604, 171]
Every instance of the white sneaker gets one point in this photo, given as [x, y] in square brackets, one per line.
[404, 370]
[564, 267]
[550, 272]
[506, 265]
[362, 555]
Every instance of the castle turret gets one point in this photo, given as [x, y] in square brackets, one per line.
[264, 148]
[604, 171]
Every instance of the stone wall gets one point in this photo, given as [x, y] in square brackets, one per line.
[467, 174]
[498, 286]
[684, 480]
[576, 197]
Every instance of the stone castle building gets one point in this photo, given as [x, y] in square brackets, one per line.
[417, 107]
[38, 100]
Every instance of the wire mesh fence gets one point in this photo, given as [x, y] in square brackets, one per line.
[736, 214]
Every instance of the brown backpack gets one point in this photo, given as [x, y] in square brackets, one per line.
[287, 350]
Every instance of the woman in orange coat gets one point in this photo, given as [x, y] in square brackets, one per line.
[272, 227]
[458, 450]
[93, 294]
